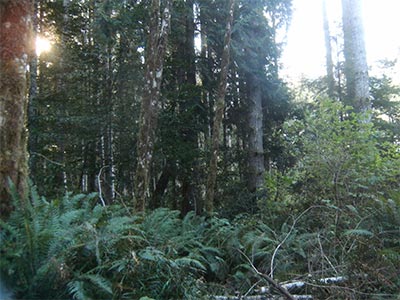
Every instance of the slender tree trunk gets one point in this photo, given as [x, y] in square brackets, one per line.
[32, 110]
[108, 136]
[63, 177]
[255, 138]
[219, 112]
[155, 53]
[328, 48]
[356, 68]
[15, 47]
[205, 93]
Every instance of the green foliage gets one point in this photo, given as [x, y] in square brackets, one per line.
[332, 205]
[345, 187]
[342, 158]
[74, 248]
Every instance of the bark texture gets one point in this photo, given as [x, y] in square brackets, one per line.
[356, 68]
[15, 47]
[328, 49]
[155, 53]
[255, 124]
[219, 112]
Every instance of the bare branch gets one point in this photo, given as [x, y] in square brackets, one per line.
[275, 284]
[99, 185]
[48, 159]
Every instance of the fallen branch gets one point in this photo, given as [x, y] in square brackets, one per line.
[272, 282]
[261, 297]
[296, 285]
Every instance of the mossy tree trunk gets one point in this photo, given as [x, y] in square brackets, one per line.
[155, 53]
[15, 47]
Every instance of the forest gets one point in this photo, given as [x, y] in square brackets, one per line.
[154, 151]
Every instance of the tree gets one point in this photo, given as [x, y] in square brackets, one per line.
[328, 47]
[155, 52]
[219, 113]
[91, 85]
[356, 68]
[253, 40]
[15, 47]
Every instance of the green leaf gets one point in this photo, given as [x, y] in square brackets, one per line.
[100, 282]
[151, 254]
[352, 209]
[187, 261]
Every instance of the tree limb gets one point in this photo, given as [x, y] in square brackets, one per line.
[271, 281]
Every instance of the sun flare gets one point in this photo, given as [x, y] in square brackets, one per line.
[42, 45]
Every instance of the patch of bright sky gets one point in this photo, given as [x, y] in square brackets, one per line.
[304, 53]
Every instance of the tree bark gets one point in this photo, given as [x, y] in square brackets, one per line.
[219, 112]
[15, 47]
[185, 57]
[255, 139]
[356, 68]
[155, 53]
[32, 110]
[328, 48]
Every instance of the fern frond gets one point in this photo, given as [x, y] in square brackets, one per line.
[99, 282]
[193, 264]
[77, 290]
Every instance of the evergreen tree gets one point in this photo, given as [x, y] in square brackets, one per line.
[219, 113]
[328, 47]
[15, 49]
[155, 53]
[356, 68]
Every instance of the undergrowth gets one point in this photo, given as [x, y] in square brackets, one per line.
[74, 248]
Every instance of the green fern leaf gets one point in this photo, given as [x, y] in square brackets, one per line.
[99, 281]
[190, 262]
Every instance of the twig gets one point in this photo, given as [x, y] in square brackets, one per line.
[288, 234]
[324, 255]
[48, 159]
[122, 201]
[271, 281]
[286, 237]
[251, 288]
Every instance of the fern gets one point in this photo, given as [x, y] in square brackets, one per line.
[77, 290]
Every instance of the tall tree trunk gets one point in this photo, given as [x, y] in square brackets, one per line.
[187, 87]
[32, 110]
[328, 48]
[219, 112]
[108, 135]
[60, 139]
[205, 91]
[356, 68]
[255, 142]
[155, 53]
[15, 47]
